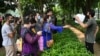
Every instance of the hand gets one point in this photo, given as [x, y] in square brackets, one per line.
[66, 26]
[77, 18]
[39, 33]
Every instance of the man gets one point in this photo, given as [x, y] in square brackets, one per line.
[91, 30]
[8, 36]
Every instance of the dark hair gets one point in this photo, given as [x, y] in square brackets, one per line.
[26, 20]
[7, 15]
[32, 20]
[92, 12]
[16, 19]
[45, 18]
[48, 10]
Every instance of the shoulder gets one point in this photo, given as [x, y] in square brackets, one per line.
[93, 20]
[6, 26]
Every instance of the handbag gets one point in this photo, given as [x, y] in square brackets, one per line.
[49, 42]
[19, 44]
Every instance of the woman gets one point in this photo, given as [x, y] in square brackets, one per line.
[30, 40]
[48, 26]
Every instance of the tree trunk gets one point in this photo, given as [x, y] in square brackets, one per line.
[19, 7]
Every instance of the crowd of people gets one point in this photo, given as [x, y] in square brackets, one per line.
[36, 31]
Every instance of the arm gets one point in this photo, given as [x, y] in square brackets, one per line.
[58, 28]
[9, 32]
[97, 29]
[30, 39]
[81, 23]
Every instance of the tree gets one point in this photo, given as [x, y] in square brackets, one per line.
[71, 7]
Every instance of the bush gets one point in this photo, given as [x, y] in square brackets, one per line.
[66, 44]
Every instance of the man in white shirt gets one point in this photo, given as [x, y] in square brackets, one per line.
[8, 36]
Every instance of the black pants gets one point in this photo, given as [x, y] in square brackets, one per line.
[89, 47]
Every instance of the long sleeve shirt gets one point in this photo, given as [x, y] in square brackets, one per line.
[47, 33]
[30, 44]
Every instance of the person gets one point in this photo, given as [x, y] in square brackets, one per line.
[17, 24]
[0, 30]
[38, 27]
[91, 29]
[8, 36]
[50, 13]
[48, 26]
[38, 21]
[30, 41]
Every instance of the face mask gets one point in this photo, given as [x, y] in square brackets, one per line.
[49, 20]
[39, 17]
[11, 21]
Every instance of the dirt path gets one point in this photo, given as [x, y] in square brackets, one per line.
[81, 38]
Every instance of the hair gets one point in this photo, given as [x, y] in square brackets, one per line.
[92, 12]
[32, 20]
[45, 18]
[48, 10]
[26, 20]
[16, 19]
[7, 15]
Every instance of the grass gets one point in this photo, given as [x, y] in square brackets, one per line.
[66, 44]
[2, 52]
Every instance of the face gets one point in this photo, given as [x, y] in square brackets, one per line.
[50, 13]
[29, 25]
[38, 15]
[88, 15]
[49, 19]
[11, 20]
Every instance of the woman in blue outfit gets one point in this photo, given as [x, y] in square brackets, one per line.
[48, 26]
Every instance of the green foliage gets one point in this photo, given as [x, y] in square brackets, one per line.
[70, 6]
[66, 44]
[2, 52]
[36, 4]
